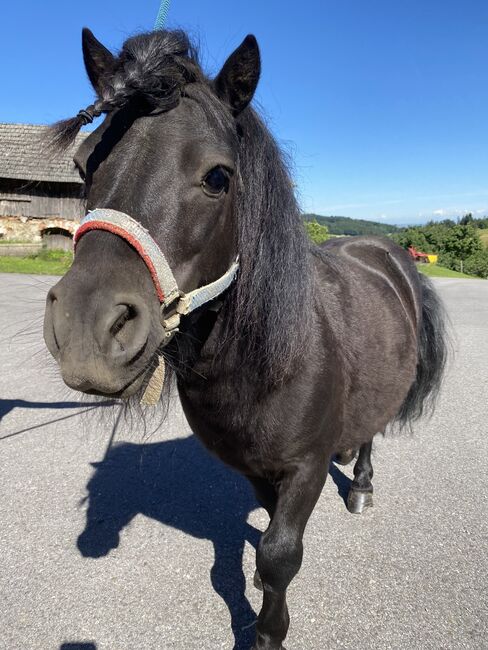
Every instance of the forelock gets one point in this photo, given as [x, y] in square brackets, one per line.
[156, 65]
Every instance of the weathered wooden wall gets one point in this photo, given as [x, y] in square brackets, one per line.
[40, 200]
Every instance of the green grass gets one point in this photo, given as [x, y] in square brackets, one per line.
[6, 242]
[434, 271]
[45, 263]
[484, 237]
[58, 262]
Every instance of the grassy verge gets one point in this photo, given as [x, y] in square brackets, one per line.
[6, 242]
[58, 262]
[434, 271]
[45, 263]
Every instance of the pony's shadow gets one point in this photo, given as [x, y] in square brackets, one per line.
[179, 484]
[7, 405]
[342, 482]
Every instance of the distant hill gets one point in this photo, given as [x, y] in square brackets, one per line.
[347, 226]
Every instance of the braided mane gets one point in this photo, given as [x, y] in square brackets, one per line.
[155, 66]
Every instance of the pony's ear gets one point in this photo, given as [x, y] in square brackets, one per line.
[237, 81]
[99, 61]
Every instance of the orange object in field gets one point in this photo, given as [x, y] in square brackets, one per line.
[418, 256]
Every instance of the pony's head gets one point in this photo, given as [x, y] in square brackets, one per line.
[187, 158]
[166, 154]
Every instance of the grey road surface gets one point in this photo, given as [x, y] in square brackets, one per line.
[116, 535]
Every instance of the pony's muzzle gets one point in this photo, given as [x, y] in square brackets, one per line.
[97, 350]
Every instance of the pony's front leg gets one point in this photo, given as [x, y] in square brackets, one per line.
[280, 549]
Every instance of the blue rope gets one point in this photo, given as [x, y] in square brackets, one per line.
[162, 14]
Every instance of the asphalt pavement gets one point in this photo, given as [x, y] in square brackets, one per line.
[119, 534]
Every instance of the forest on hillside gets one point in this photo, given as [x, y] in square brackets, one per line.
[348, 226]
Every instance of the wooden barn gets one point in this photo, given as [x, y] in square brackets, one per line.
[40, 194]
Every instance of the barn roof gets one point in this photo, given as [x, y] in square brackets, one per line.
[23, 155]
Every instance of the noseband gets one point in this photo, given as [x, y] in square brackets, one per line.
[172, 299]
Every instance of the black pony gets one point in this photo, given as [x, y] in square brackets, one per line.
[311, 351]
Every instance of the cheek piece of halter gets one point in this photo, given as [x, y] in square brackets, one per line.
[173, 301]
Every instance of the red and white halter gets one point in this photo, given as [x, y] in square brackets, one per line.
[169, 294]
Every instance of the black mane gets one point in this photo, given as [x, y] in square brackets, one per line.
[273, 293]
[268, 306]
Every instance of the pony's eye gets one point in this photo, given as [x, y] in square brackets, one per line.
[216, 182]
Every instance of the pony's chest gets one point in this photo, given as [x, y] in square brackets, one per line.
[221, 430]
[257, 435]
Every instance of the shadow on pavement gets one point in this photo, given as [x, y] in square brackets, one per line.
[78, 646]
[343, 482]
[7, 405]
[179, 484]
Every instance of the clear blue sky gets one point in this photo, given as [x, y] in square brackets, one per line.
[383, 104]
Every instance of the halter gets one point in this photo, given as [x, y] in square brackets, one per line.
[170, 296]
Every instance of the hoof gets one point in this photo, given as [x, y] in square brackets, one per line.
[357, 501]
[345, 457]
[257, 581]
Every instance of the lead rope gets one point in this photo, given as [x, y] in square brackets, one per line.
[155, 385]
[162, 14]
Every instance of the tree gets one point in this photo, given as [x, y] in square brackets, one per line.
[317, 233]
[412, 237]
[466, 220]
[462, 242]
[436, 233]
[477, 264]
[448, 223]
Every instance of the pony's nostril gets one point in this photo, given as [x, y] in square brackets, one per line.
[122, 330]
[129, 313]
[128, 331]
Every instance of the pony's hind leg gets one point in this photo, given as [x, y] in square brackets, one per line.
[361, 491]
